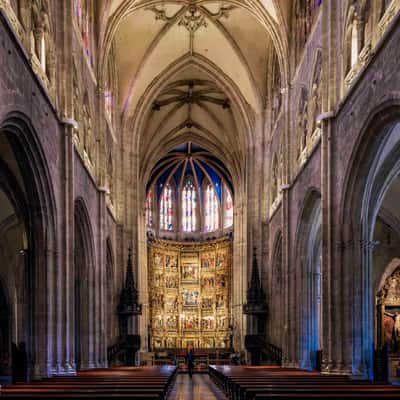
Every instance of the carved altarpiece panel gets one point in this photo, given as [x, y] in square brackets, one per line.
[189, 294]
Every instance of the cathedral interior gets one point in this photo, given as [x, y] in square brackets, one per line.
[221, 176]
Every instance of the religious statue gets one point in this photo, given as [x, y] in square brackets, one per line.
[190, 298]
[110, 174]
[220, 263]
[207, 262]
[158, 260]
[171, 263]
[274, 179]
[302, 122]
[221, 281]
[77, 110]
[207, 283]
[220, 300]
[207, 323]
[314, 108]
[189, 272]
[172, 322]
[397, 325]
[48, 51]
[206, 303]
[37, 27]
[87, 131]
[221, 322]
[171, 282]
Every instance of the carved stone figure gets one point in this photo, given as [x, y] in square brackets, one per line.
[110, 175]
[314, 108]
[89, 140]
[302, 122]
[37, 26]
[274, 180]
[50, 61]
[23, 14]
[397, 325]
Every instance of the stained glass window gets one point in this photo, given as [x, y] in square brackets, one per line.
[189, 203]
[211, 222]
[149, 209]
[228, 213]
[167, 208]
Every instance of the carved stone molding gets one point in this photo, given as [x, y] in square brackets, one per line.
[160, 14]
[387, 18]
[8, 11]
[193, 19]
[365, 54]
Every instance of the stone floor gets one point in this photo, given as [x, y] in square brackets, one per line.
[199, 388]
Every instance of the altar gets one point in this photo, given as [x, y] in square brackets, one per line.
[190, 294]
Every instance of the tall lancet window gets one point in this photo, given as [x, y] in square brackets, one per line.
[167, 208]
[149, 209]
[189, 203]
[211, 222]
[228, 212]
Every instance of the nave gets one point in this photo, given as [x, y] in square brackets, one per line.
[222, 382]
[200, 387]
[215, 175]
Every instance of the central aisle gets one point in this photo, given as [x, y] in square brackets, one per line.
[199, 388]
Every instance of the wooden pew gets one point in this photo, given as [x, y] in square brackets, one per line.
[249, 383]
[152, 383]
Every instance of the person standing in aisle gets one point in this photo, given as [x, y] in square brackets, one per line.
[190, 362]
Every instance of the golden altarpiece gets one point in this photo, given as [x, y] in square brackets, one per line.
[189, 291]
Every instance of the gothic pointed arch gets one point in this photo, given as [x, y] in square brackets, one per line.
[111, 298]
[372, 173]
[277, 313]
[194, 193]
[309, 290]
[84, 262]
[28, 173]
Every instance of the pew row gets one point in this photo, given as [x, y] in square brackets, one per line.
[262, 383]
[147, 383]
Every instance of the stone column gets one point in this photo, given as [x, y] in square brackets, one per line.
[328, 300]
[102, 319]
[288, 342]
[65, 275]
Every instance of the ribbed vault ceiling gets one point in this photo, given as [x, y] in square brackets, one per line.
[188, 68]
